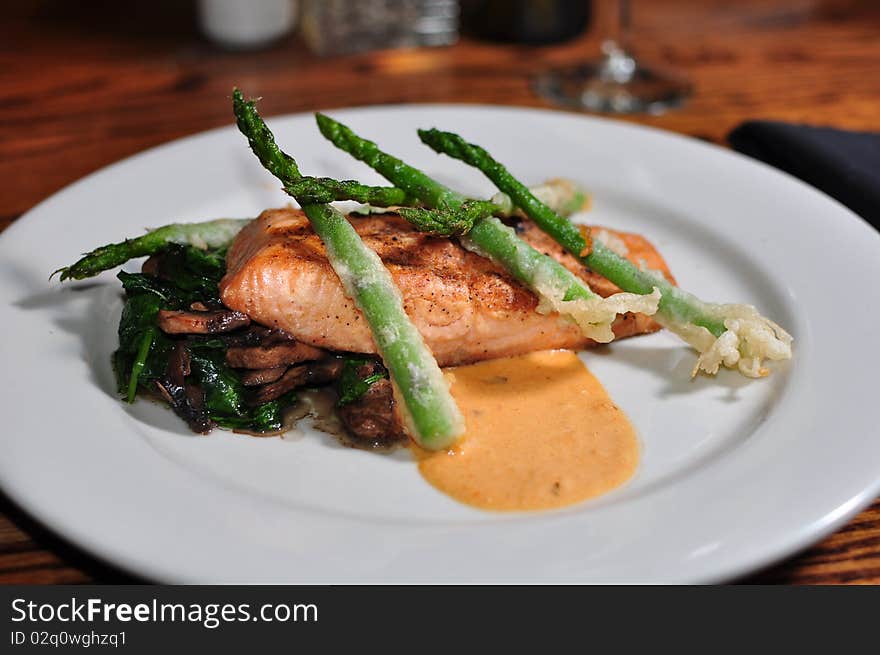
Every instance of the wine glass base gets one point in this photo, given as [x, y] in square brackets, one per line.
[589, 86]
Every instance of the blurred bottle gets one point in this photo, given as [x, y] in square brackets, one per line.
[335, 27]
[525, 21]
[243, 25]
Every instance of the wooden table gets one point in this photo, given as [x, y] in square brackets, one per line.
[82, 88]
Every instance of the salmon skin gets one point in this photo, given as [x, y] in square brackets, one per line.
[466, 307]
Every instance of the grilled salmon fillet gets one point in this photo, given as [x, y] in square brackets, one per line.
[466, 308]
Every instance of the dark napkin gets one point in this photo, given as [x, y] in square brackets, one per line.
[845, 165]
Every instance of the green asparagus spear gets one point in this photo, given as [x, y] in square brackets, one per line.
[565, 196]
[557, 287]
[430, 412]
[211, 234]
[325, 189]
[433, 417]
[732, 335]
[449, 221]
[568, 235]
[560, 194]
[412, 180]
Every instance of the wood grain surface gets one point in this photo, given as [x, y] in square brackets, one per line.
[83, 85]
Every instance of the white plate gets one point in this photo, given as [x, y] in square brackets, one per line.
[735, 474]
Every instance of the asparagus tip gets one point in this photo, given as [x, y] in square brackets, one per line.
[430, 138]
[425, 135]
[325, 123]
[239, 102]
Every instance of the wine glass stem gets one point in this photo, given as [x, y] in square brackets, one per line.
[619, 64]
[615, 82]
[619, 16]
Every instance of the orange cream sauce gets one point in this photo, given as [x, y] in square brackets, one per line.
[542, 433]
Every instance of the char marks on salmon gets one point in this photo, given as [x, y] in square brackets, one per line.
[466, 307]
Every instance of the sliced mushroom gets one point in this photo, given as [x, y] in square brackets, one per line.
[151, 266]
[180, 322]
[187, 400]
[178, 366]
[256, 377]
[273, 355]
[324, 371]
[295, 376]
[312, 374]
[372, 417]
